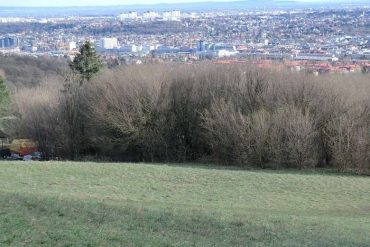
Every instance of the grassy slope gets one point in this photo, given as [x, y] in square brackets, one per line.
[81, 204]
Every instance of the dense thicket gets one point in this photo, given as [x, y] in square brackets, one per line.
[237, 115]
[22, 71]
[4, 97]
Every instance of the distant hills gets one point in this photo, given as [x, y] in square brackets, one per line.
[186, 7]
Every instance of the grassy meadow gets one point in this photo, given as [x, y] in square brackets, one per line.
[96, 204]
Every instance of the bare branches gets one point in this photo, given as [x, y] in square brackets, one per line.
[228, 114]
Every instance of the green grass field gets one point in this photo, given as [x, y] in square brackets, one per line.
[89, 204]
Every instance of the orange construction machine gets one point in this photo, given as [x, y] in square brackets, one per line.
[23, 147]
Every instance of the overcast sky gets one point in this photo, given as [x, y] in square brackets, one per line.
[52, 3]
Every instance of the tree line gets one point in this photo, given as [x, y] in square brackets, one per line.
[20, 71]
[225, 114]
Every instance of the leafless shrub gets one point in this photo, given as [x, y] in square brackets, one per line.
[228, 133]
[236, 114]
[293, 139]
[38, 112]
[127, 106]
[349, 141]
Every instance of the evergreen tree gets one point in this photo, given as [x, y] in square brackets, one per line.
[365, 70]
[87, 63]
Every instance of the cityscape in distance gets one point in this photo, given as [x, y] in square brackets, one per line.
[313, 36]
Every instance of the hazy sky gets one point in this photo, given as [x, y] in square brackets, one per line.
[106, 2]
[89, 2]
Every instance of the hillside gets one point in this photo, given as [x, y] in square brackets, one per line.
[91, 204]
[29, 71]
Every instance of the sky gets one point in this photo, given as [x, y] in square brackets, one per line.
[51, 3]
[54, 3]
[60, 3]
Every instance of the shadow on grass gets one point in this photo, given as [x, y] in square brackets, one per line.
[53, 222]
[35, 221]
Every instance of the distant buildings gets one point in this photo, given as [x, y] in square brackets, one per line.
[29, 48]
[109, 43]
[172, 15]
[72, 46]
[8, 42]
[150, 15]
[215, 50]
[317, 36]
[131, 48]
[201, 46]
[132, 15]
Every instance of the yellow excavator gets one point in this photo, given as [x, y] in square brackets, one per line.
[18, 148]
[23, 147]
